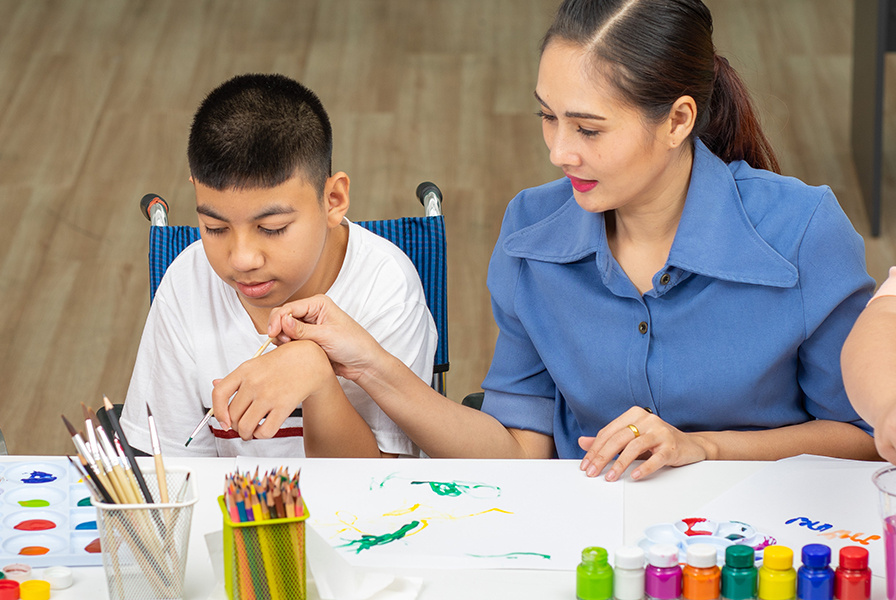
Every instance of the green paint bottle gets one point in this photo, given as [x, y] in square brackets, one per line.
[594, 576]
[739, 573]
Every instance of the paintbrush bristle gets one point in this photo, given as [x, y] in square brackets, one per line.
[92, 416]
[84, 410]
[71, 430]
[148, 411]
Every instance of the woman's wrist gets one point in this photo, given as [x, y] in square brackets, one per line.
[380, 370]
[707, 443]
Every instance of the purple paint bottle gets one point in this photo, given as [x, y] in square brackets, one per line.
[662, 578]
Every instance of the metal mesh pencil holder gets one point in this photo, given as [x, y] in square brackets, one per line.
[264, 560]
[144, 546]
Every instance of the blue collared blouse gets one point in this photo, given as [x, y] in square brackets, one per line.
[742, 329]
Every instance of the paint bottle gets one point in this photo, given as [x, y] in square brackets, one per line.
[739, 573]
[852, 580]
[701, 576]
[662, 577]
[628, 575]
[594, 576]
[777, 577]
[815, 579]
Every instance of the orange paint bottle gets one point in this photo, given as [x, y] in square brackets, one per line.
[701, 577]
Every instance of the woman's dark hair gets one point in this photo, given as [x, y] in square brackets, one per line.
[257, 131]
[656, 51]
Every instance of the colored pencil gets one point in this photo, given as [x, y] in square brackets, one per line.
[211, 411]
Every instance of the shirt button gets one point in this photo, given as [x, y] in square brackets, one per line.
[642, 326]
[665, 279]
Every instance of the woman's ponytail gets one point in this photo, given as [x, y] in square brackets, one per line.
[733, 131]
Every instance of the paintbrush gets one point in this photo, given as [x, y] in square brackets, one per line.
[90, 481]
[129, 452]
[211, 411]
[85, 458]
[90, 425]
[157, 456]
[117, 472]
[77, 439]
[126, 465]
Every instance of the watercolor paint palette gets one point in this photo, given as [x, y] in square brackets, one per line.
[46, 518]
[700, 530]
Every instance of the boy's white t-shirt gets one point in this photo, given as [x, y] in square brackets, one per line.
[198, 331]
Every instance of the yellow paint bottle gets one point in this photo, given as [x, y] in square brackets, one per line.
[777, 577]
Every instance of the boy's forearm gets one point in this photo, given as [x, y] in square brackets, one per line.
[333, 428]
[868, 361]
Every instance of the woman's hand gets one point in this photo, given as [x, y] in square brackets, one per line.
[350, 348]
[638, 432]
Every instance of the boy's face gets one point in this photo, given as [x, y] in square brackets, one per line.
[274, 245]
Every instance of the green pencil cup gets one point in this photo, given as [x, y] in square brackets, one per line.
[264, 560]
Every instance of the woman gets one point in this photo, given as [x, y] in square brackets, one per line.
[670, 296]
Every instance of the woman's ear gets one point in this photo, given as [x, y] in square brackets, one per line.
[680, 123]
[335, 198]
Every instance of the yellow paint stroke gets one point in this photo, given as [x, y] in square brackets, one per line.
[441, 515]
[349, 521]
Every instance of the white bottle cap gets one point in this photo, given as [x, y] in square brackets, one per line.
[60, 577]
[629, 557]
[17, 572]
[662, 555]
[702, 555]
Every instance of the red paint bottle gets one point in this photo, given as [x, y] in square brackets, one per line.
[852, 580]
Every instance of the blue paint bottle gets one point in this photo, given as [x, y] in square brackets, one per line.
[815, 579]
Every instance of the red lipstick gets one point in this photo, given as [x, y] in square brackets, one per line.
[582, 185]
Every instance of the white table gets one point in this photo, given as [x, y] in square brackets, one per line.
[682, 491]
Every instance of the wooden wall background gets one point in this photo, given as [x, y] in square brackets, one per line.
[96, 98]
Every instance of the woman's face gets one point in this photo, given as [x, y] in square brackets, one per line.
[612, 156]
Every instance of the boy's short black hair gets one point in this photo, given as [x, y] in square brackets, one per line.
[257, 131]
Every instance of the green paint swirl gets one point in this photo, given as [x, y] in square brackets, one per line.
[368, 541]
[456, 488]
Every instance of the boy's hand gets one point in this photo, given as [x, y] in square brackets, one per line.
[350, 348]
[270, 387]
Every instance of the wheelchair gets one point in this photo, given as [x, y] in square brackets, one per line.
[421, 238]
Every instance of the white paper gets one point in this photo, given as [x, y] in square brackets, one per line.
[809, 500]
[434, 513]
[336, 579]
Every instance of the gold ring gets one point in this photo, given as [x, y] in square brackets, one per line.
[634, 430]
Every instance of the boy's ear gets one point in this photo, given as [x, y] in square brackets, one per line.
[336, 198]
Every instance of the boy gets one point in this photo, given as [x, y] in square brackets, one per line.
[273, 229]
